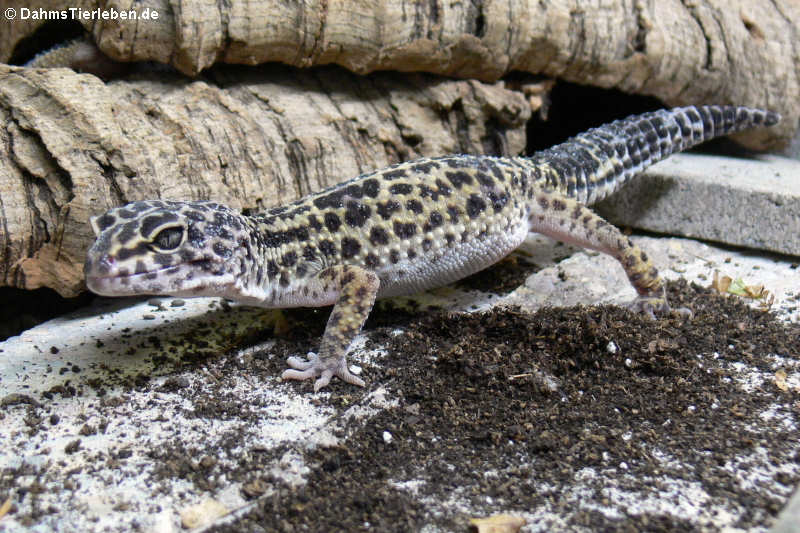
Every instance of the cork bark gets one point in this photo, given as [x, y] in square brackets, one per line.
[743, 52]
[72, 146]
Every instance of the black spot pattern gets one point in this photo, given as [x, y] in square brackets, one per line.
[498, 174]
[275, 239]
[428, 192]
[104, 222]
[314, 223]
[371, 188]
[378, 236]
[443, 188]
[350, 247]
[289, 258]
[484, 179]
[401, 188]
[301, 233]
[394, 174]
[196, 237]
[459, 178]
[127, 234]
[327, 247]
[222, 251]
[332, 199]
[405, 230]
[498, 200]
[453, 212]
[354, 191]
[356, 214]
[425, 167]
[415, 206]
[475, 205]
[385, 209]
[332, 221]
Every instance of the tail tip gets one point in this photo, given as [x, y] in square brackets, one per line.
[771, 118]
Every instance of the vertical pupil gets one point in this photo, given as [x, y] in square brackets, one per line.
[169, 238]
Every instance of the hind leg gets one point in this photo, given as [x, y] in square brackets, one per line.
[565, 219]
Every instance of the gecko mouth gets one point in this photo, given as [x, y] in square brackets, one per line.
[127, 283]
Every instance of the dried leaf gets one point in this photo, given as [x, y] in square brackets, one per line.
[780, 380]
[766, 304]
[202, 514]
[726, 285]
[6, 507]
[721, 283]
[499, 523]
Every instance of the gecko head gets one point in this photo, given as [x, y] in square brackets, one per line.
[166, 247]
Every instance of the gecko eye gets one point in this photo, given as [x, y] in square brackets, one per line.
[168, 239]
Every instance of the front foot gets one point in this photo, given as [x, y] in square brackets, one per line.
[323, 368]
[657, 306]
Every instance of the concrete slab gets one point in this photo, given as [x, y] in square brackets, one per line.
[753, 202]
[86, 455]
[592, 277]
[789, 519]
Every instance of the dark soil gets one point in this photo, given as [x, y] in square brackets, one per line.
[507, 411]
[534, 399]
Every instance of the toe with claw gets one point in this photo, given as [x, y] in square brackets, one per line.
[322, 368]
[657, 306]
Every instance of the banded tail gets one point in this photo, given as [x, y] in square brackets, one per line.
[592, 165]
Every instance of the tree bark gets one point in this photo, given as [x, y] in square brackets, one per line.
[743, 52]
[73, 146]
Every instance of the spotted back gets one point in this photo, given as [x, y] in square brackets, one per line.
[417, 224]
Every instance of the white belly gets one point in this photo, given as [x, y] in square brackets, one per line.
[436, 268]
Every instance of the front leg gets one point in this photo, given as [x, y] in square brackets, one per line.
[357, 289]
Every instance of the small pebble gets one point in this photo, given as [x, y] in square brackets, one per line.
[177, 303]
[16, 398]
[149, 317]
[387, 437]
[155, 302]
